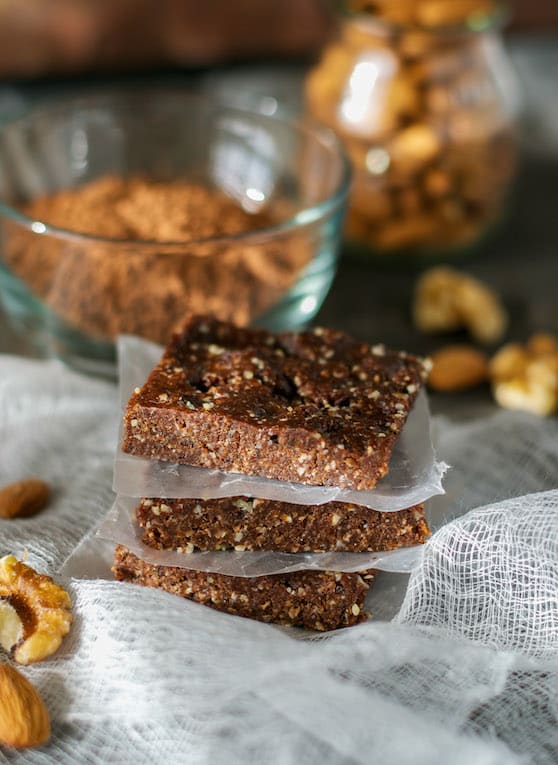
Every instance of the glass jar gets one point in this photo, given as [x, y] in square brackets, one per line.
[427, 113]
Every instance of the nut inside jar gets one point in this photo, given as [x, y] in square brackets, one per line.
[427, 115]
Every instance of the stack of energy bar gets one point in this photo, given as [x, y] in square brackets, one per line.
[316, 408]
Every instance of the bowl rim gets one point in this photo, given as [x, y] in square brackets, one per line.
[301, 219]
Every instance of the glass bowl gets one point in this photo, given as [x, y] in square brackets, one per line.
[71, 293]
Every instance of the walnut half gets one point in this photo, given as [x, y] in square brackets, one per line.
[447, 300]
[34, 612]
[526, 377]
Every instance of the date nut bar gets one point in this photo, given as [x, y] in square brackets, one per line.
[317, 600]
[314, 407]
[247, 523]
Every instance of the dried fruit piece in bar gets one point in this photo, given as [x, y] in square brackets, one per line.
[34, 612]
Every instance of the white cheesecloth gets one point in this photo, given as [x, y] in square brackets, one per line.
[459, 667]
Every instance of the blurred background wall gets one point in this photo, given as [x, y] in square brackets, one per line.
[535, 15]
[42, 37]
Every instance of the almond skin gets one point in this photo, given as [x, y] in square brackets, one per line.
[23, 498]
[457, 367]
[24, 719]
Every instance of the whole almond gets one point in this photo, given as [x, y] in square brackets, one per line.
[457, 367]
[23, 498]
[24, 719]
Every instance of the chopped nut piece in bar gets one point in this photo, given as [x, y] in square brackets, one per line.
[317, 600]
[246, 523]
[312, 407]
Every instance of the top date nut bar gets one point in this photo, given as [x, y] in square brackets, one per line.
[314, 407]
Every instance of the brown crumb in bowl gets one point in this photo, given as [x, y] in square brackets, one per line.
[143, 209]
[106, 288]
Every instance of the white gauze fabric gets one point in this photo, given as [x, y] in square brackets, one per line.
[467, 673]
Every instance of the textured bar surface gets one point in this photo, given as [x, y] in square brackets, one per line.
[313, 407]
[316, 600]
[246, 523]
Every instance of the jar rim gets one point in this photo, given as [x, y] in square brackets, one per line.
[476, 23]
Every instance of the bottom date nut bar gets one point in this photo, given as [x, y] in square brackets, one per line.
[245, 523]
[317, 600]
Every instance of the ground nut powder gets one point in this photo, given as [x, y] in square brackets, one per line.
[104, 288]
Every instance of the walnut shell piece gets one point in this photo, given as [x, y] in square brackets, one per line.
[24, 719]
[34, 612]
